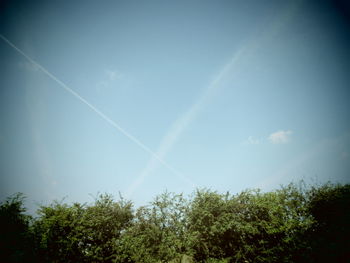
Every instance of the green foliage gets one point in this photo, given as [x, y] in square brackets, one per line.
[59, 233]
[291, 224]
[158, 233]
[330, 236]
[15, 235]
[251, 226]
[102, 225]
[79, 233]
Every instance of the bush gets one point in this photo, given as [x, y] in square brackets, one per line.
[291, 224]
[15, 236]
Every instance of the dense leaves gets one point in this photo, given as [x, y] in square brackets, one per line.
[158, 233]
[79, 233]
[292, 224]
[15, 235]
[329, 237]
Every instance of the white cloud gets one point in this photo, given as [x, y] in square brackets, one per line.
[188, 117]
[110, 78]
[252, 140]
[113, 75]
[280, 137]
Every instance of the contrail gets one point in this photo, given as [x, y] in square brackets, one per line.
[182, 123]
[102, 115]
[170, 138]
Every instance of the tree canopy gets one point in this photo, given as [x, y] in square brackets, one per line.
[292, 224]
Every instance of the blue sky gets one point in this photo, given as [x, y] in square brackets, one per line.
[227, 95]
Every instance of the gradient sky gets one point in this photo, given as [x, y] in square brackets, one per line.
[227, 95]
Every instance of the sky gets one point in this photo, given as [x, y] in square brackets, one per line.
[141, 97]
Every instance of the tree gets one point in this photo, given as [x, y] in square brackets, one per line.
[211, 225]
[102, 225]
[248, 227]
[15, 235]
[81, 233]
[158, 233]
[59, 232]
[292, 224]
[330, 236]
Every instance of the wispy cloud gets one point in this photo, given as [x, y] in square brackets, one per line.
[182, 123]
[297, 166]
[252, 140]
[97, 111]
[280, 137]
[110, 78]
[113, 74]
[179, 126]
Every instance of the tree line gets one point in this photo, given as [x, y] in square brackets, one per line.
[294, 223]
